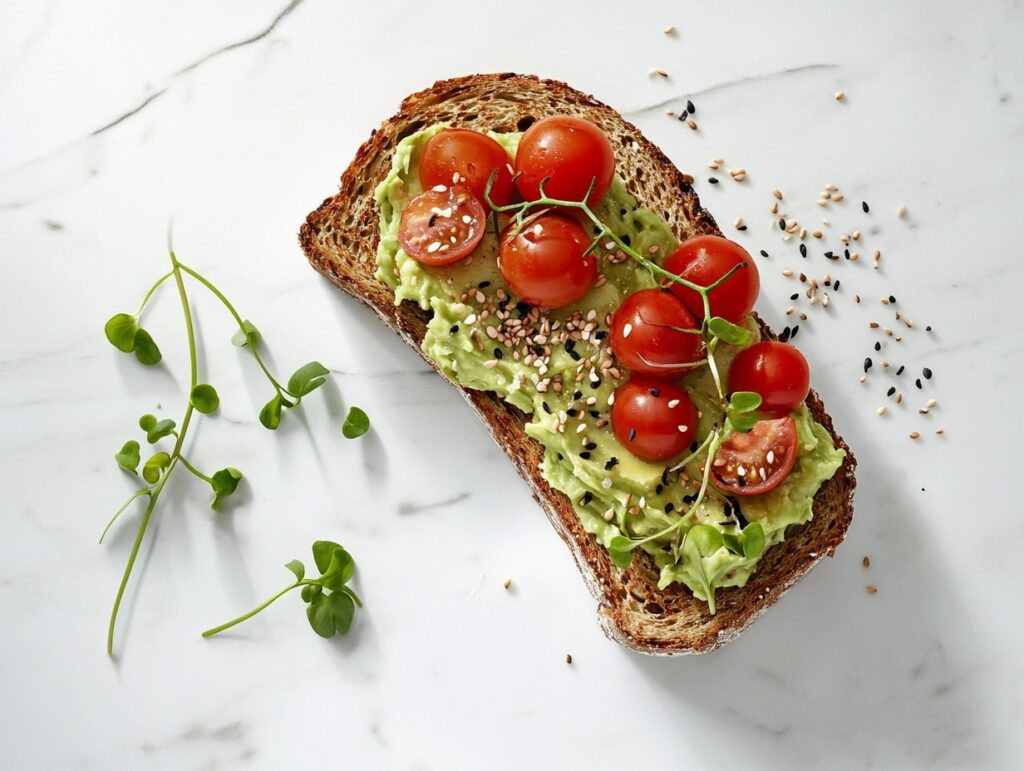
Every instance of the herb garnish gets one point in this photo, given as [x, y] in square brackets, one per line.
[700, 541]
[124, 333]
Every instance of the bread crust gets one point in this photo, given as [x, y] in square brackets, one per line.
[340, 240]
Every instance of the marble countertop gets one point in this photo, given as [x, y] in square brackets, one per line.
[235, 119]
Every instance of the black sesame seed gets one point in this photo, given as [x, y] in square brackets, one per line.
[571, 412]
[498, 354]
[927, 373]
[782, 223]
[577, 394]
[846, 253]
[560, 456]
[682, 115]
[803, 251]
[836, 285]
[632, 434]
[658, 489]
[918, 383]
[601, 334]
[900, 370]
[764, 253]
[693, 448]
[573, 355]
[590, 446]
[928, 328]
[569, 346]
[891, 391]
[454, 329]
[538, 350]
[829, 255]
[865, 207]
[669, 508]
[741, 227]
[523, 307]
[585, 455]
[612, 463]
[688, 499]
[547, 409]
[484, 284]
[431, 221]
[892, 299]
[626, 239]
[878, 346]
[595, 384]
[594, 413]
[664, 477]
[867, 363]
[622, 212]
[713, 180]
[794, 295]
[690, 108]
[796, 328]
[587, 498]
[784, 337]
[655, 393]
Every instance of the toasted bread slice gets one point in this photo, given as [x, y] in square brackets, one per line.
[340, 239]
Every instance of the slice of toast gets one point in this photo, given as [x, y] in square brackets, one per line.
[340, 239]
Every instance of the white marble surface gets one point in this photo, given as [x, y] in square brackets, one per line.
[445, 669]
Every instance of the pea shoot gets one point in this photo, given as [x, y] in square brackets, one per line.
[331, 604]
[125, 333]
[698, 541]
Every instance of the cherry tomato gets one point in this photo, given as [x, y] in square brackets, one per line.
[473, 157]
[648, 337]
[757, 461]
[441, 227]
[653, 419]
[705, 259]
[777, 371]
[544, 264]
[571, 153]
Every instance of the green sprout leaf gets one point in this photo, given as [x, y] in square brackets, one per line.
[753, 541]
[323, 554]
[342, 610]
[356, 423]
[158, 430]
[307, 378]
[339, 570]
[320, 616]
[204, 398]
[745, 401]
[224, 483]
[733, 542]
[120, 330]
[247, 335]
[128, 457]
[728, 332]
[145, 349]
[706, 538]
[298, 569]
[621, 551]
[270, 415]
[154, 466]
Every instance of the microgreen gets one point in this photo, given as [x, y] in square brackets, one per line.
[330, 602]
[740, 409]
[124, 333]
[356, 423]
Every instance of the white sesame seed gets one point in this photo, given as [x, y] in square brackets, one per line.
[881, 410]
[581, 428]
[669, 29]
[683, 429]
[840, 95]
[673, 403]
[627, 329]
[439, 188]
[901, 210]
[914, 435]
[471, 318]
[932, 403]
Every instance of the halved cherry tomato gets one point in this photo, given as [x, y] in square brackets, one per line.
[649, 334]
[653, 419]
[570, 153]
[705, 259]
[757, 461]
[466, 157]
[543, 262]
[776, 371]
[440, 227]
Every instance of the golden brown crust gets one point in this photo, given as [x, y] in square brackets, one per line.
[340, 240]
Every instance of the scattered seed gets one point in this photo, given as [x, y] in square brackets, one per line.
[871, 589]
[840, 96]
[881, 410]
[659, 72]
[865, 207]
[866, 562]
[940, 430]
[669, 29]
[901, 211]
[507, 583]
[568, 658]
[914, 435]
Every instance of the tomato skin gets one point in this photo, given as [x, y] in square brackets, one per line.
[543, 263]
[749, 452]
[777, 371]
[418, 236]
[705, 259]
[645, 334]
[646, 425]
[570, 152]
[471, 155]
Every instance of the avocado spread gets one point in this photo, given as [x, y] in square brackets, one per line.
[557, 367]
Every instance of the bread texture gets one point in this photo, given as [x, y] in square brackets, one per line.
[340, 240]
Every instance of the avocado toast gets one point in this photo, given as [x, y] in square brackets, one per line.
[341, 239]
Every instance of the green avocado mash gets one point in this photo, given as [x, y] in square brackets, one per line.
[556, 366]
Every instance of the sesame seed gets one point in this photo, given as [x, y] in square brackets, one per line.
[940, 431]
[609, 515]
[738, 174]
[914, 435]
[777, 193]
[871, 589]
[713, 180]
[507, 583]
[673, 403]
[691, 109]
[568, 658]
[659, 72]
[881, 410]
[692, 124]
[901, 211]
[927, 373]
[865, 207]
[787, 273]
[627, 329]
[866, 562]
[932, 403]
[840, 95]
[669, 29]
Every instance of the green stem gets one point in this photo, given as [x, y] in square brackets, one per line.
[132, 497]
[175, 454]
[254, 611]
[194, 470]
[238, 320]
[152, 289]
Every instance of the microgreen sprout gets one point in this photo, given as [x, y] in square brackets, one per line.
[125, 333]
[331, 604]
[740, 408]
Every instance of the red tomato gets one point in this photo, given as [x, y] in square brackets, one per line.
[757, 461]
[648, 337]
[473, 157]
[653, 419]
[705, 259]
[543, 263]
[441, 227]
[777, 371]
[571, 153]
